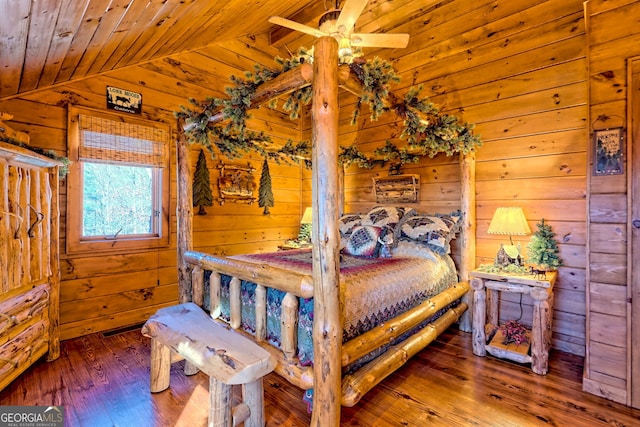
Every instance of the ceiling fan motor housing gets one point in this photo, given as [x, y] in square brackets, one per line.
[327, 22]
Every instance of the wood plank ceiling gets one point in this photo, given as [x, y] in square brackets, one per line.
[52, 42]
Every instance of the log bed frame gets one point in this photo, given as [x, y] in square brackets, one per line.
[331, 390]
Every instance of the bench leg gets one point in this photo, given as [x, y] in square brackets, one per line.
[253, 397]
[219, 404]
[190, 368]
[160, 366]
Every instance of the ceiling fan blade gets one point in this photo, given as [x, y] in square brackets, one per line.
[380, 40]
[296, 26]
[349, 15]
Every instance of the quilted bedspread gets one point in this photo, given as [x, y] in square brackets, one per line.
[374, 290]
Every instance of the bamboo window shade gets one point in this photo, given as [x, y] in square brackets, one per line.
[109, 141]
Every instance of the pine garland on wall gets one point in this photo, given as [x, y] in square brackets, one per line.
[202, 195]
[265, 196]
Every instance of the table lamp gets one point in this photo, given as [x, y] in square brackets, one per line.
[512, 222]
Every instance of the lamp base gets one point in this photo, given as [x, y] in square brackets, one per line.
[509, 254]
[305, 232]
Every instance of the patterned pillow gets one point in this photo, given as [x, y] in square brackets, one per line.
[364, 242]
[385, 215]
[455, 218]
[348, 222]
[436, 231]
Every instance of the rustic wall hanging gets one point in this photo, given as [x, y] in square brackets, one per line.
[201, 189]
[236, 183]
[124, 100]
[608, 151]
[397, 188]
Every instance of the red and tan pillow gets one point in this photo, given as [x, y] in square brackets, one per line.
[364, 241]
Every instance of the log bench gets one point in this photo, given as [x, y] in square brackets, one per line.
[186, 332]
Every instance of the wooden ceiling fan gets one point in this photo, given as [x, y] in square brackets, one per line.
[340, 24]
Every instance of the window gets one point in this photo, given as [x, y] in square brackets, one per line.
[118, 182]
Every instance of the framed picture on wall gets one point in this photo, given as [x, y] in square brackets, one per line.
[608, 151]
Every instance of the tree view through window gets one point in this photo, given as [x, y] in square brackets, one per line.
[117, 200]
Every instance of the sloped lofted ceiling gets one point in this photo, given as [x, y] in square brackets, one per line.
[46, 43]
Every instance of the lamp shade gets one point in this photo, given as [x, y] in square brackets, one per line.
[509, 221]
[344, 51]
[307, 216]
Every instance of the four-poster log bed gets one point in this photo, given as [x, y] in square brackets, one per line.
[323, 285]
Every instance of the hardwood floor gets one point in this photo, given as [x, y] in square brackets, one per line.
[104, 381]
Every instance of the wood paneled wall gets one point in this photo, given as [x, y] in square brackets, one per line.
[613, 38]
[518, 71]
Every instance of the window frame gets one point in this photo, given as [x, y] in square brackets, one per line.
[75, 242]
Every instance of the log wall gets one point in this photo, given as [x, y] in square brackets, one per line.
[518, 71]
[613, 37]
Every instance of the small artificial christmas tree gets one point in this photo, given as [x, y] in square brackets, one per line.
[543, 248]
[201, 189]
[265, 198]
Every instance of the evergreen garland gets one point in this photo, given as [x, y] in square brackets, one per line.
[509, 268]
[201, 188]
[375, 77]
[426, 130]
[265, 197]
[543, 248]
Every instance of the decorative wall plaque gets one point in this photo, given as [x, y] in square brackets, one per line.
[236, 183]
[397, 188]
[124, 100]
[608, 152]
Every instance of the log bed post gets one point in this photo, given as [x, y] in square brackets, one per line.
[468, 207]
[185, 211]
[327, 327]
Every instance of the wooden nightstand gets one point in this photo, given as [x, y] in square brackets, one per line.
[485, 296]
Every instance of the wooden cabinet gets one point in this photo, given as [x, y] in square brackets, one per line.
[29, 260]
[486, 287]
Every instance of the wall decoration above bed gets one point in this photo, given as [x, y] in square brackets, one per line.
[397, 188]
[236, 183]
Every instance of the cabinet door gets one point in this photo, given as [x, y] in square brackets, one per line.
[29, 260]
[633, 250]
